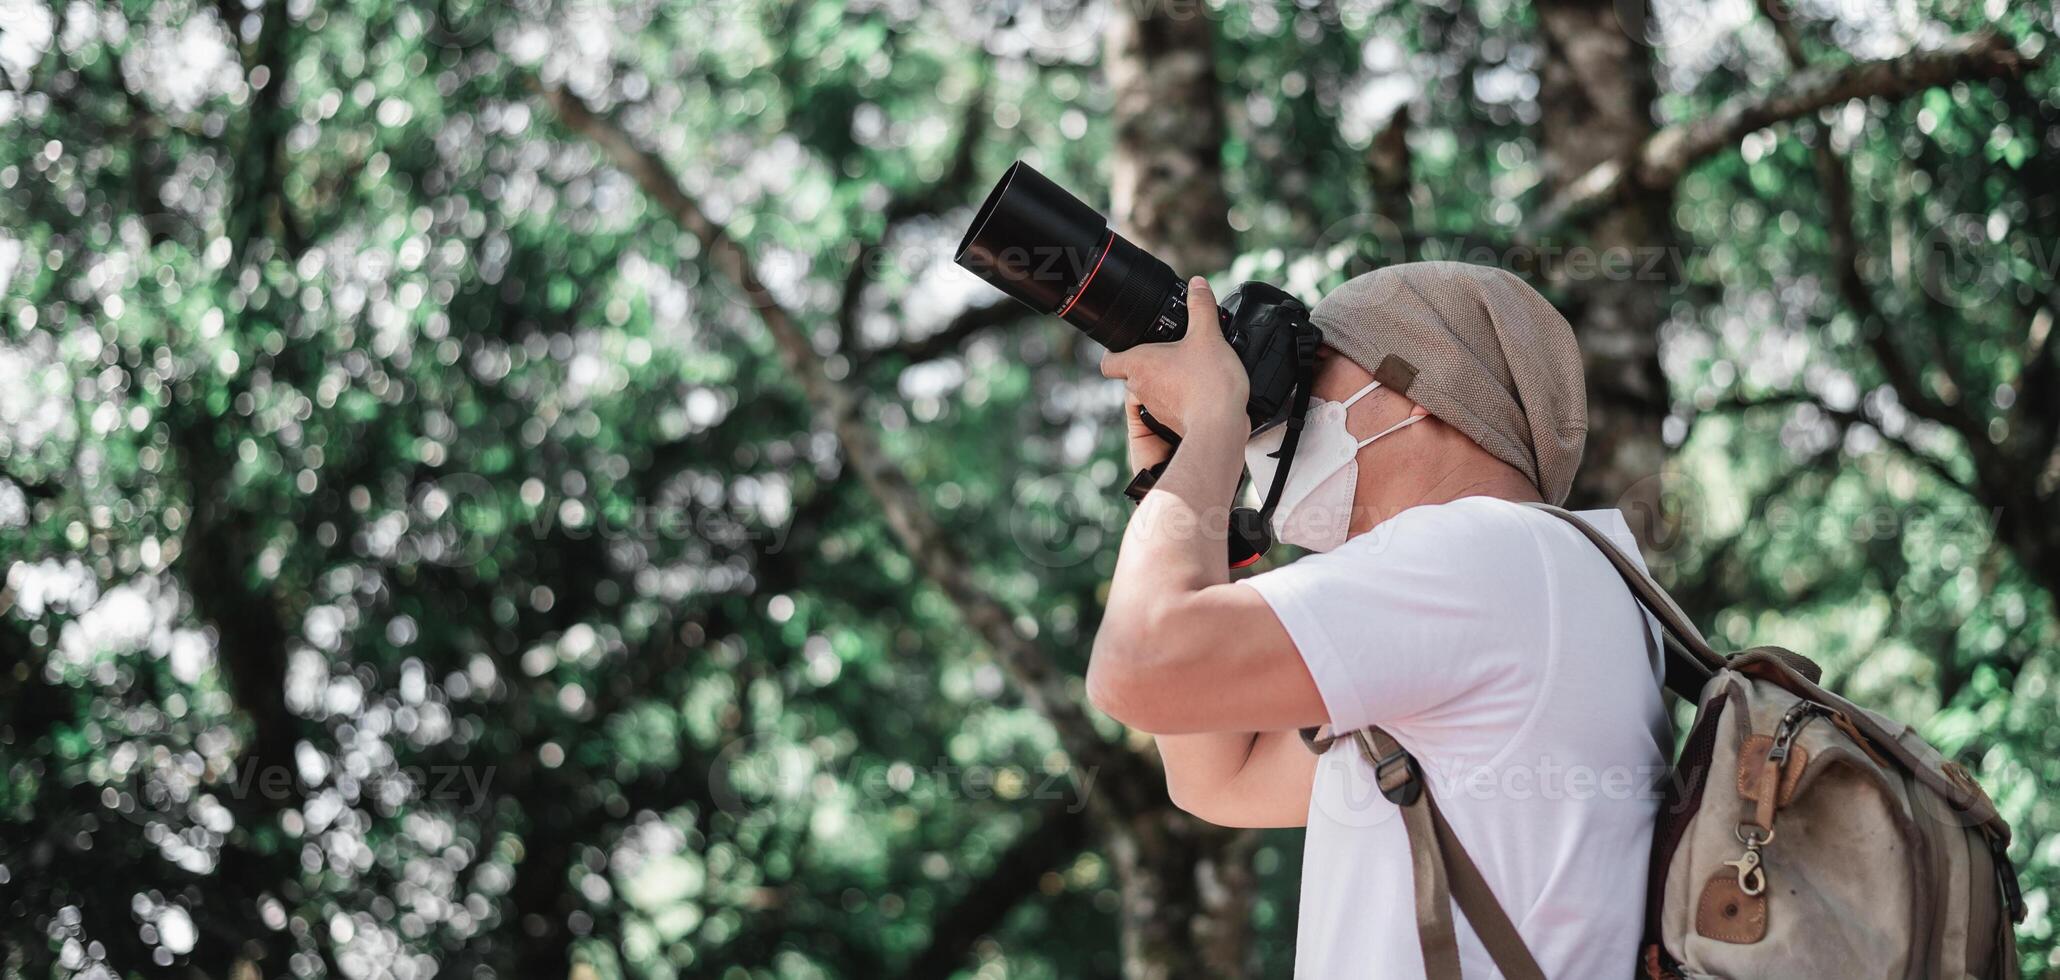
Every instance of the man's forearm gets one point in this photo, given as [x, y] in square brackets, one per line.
[1176, 540]
[1197, 487]
[1240, 780]
[1172, 550]
[1199, 766]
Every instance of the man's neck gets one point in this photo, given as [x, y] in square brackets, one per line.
[1502, 486]
[1452, 484]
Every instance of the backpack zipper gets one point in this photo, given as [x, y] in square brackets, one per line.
[1752, 873]
[1791, 725]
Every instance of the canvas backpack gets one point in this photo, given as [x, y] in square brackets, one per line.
[1799, 836]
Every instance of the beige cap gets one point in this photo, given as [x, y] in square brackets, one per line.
[1478, 348]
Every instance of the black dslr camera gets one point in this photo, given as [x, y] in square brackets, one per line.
[1056, 255]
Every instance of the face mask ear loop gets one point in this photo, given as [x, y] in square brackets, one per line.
[1405, 423]
[1361, 393]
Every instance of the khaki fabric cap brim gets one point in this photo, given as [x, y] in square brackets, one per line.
[1478, 348]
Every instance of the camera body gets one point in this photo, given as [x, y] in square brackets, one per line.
[1271, 331]
[1041, 245]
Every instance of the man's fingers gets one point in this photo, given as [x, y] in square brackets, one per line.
[1201, 310]
[1116, 365]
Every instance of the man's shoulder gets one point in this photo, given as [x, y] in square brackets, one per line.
[1478, 531]
[1485, 521]
[1494, 516]
[1456, 541]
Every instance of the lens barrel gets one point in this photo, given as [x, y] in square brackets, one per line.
[1056, 255]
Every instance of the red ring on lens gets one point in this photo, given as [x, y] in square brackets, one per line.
[1082, 291]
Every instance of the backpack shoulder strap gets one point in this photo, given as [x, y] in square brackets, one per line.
[1691, 661]
[1443, 872]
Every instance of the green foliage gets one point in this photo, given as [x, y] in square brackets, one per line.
[417, 560]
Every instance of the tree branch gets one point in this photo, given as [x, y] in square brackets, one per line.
[1388, 167]
[936, 196]
[1836, 185]
[1060, 833]
[943, 193]
[1786, 30]
[947, 340]
[1661, 160]
[934, 552]
[1847, 418]
[2006, 476]
[1902, 375]
[1709, 594]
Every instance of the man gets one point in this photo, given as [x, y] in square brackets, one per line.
[1490, 639]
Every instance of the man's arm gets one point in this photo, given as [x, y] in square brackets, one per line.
[1181, 651]
[1260, 779]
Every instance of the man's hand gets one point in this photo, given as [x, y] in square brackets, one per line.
[1147, 448]
[1194, 382]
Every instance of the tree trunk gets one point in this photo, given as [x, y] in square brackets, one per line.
[1187, 896]
[1595, 98]
[1187, 886]
[1167, 189]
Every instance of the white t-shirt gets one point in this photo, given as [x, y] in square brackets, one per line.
[1500, 647]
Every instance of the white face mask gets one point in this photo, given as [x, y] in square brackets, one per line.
[1315, 507]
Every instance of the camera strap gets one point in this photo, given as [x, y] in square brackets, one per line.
[1307, 344]
[1251, 533]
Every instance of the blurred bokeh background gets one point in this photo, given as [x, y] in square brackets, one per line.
[518, 489]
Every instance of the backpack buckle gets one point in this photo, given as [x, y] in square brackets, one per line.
[1408, 784]
[1396, 773]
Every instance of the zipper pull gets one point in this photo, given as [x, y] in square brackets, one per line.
[1791, 725]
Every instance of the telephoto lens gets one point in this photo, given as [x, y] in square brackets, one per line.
[1041, 245]
[1056, 255]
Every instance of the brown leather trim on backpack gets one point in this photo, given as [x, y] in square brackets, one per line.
[1657, 965]
[1767, 784]
[1970, 790]
[1845, 724]
[1762, 662]
[1753, 754]
[1727, 914]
